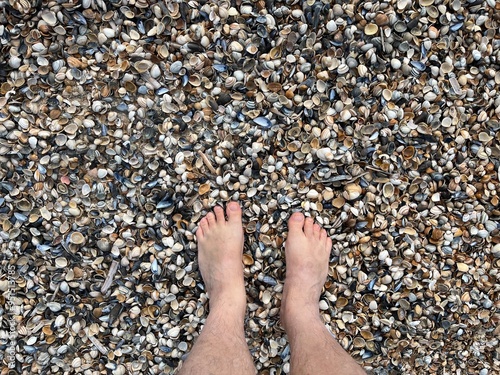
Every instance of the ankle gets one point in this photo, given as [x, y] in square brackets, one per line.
[228, 304]
[295, 319]
[298, 298]
[299, 311]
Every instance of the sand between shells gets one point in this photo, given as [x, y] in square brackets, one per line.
[123, 122]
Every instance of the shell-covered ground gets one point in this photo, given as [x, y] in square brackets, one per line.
[123, 122]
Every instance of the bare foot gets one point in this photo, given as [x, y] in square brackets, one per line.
[307, 250]
[220, 249]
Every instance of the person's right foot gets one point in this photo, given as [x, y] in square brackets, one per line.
[220, 248]
[307, 250]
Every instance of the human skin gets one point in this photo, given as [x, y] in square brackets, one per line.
[221, 347]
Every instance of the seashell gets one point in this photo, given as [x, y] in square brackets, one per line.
[387, 94]
[345, 115]
[204, 188]
[418, 65]
[323, 305]
[275, 52]
[143, 66]
[381, 19]
[24, 205]
[101, 173]
[402, 4]
[462, 267]
[195, 80]
[274, 86]
[264, 122]
[362, 70]
[341, 302]
[455, 86]
[433, 32]
[371, 29]
[366, 334]
[152, 311]
[266, 297]
[343, 69]
[49, 17]
[174, 332]
[388, 190]
[408, 152]
[325, 154]
[73, 62]
[359, 342]
[155, 71]
[235, 46]
[400, 27]
[86, 189]
[247, 260]
[445, 68]
[77, 238]
[61, 262]
[352, 191]
[338, 202]
[484, 137]
[331, 26]
[456, 26]
[252, 49]
[176, 67]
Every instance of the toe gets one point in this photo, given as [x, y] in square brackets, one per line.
[296, 222]
[233, 211]
[328, 245]
[317, 230]
[202, 228]
[219, 214]
[199, 233]
[308, 226]
[323, 235]
[210, 218]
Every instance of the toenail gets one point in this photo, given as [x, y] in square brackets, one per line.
[297, 217]
[232, 207]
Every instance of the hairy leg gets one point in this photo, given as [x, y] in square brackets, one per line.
[313, 348]
[221, 347]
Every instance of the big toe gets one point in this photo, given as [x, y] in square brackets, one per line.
[233, 212]
[296, 222]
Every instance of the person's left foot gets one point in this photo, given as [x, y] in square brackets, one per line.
[220, 249]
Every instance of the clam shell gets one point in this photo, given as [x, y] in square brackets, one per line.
[77, 238]
[371, 29]
[325, 154]
[352, 191]
[49, 17]
[484, 137]
[24, 205]
[143, 66]
[61, 262]
[248, 260]
[388, 190]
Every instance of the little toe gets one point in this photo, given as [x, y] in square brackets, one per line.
[233, 211]
[328, 245]
[202, 228]
[308, 226]
[323, 235]
[210, 219]
[219, 214]
[199, 233]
